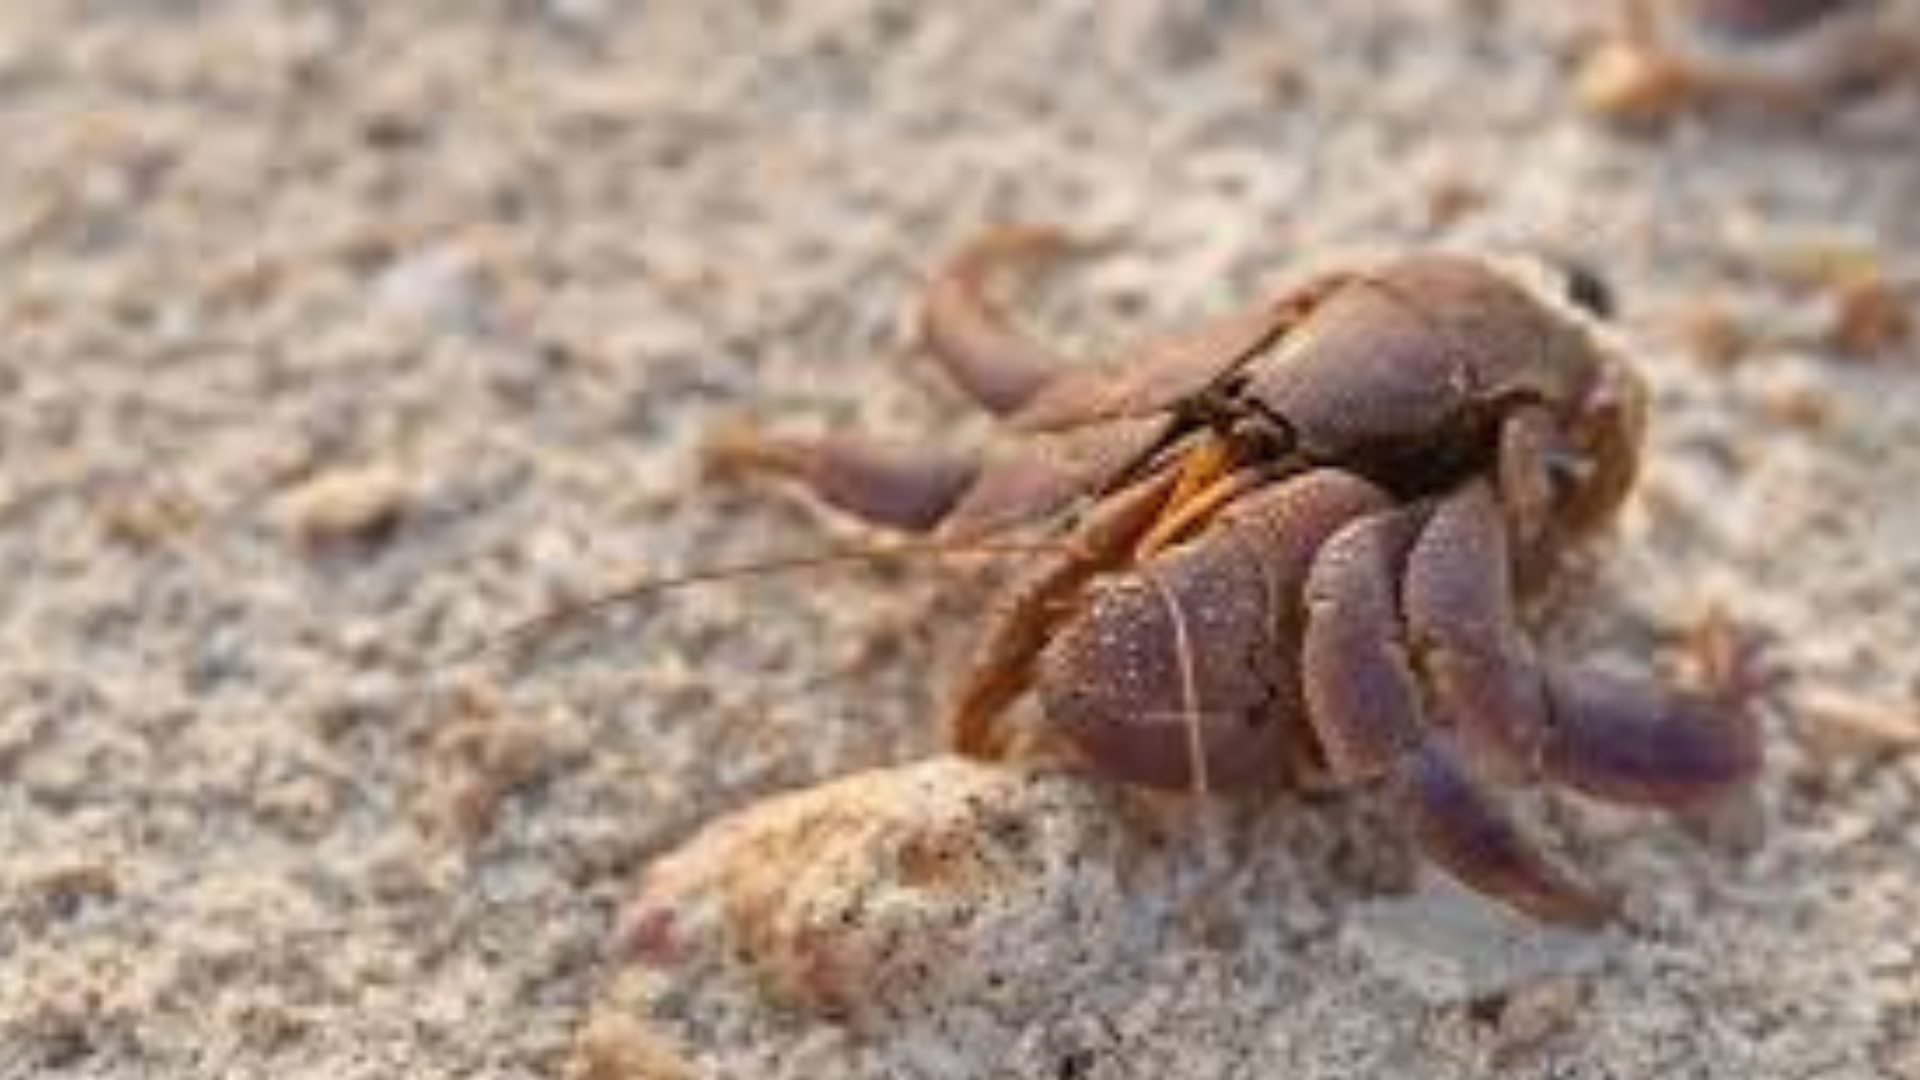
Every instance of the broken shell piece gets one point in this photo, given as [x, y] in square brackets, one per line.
[889, 891]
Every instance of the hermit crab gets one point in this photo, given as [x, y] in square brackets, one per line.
[1296, 546]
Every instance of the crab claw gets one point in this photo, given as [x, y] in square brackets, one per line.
[1633, 741]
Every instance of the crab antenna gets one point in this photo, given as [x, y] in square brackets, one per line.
[532, 629]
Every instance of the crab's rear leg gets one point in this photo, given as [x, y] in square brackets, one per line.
[1013, 374]
[998, 364]
[959, 496]
[1178, 372]
[1364, 702]
[910, 489]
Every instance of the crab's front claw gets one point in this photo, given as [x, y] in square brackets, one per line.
[1637, 742]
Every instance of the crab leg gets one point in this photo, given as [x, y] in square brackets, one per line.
[1458, 826]
[1014, 375]
[898, 487]
[1363, 700]
[912, 489]
[1634, 741]
[1173, 371]
[1614, 738]
[1018, 627]
[996, 363]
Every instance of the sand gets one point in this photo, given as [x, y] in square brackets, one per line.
[336, 337]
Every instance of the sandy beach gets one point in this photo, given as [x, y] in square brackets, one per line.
[338, 337]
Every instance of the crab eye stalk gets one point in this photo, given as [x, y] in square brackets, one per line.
[1587, 289]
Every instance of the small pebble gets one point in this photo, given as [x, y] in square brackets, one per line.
[483, 756]
[1797, 397]
[1630, 83]
[1839, 724]
[1535, 1013]
[1867, 316]
[345, 507]
[1713, 333]
[436, 286]
[614, 1047]
[146, 519]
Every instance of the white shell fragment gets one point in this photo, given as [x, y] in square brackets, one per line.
[892, 891]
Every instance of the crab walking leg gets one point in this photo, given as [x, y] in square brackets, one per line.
[1634, 741]
[1049, 477]
[1615, 738]
[1016, 376]
[1478, 667]
[1012, 374]
[1459, 827]
[1176, 372]
[1018, 627]
[897, 487]
[996, 363]
[1363, 700]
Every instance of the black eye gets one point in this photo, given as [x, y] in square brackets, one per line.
[1588, 289]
